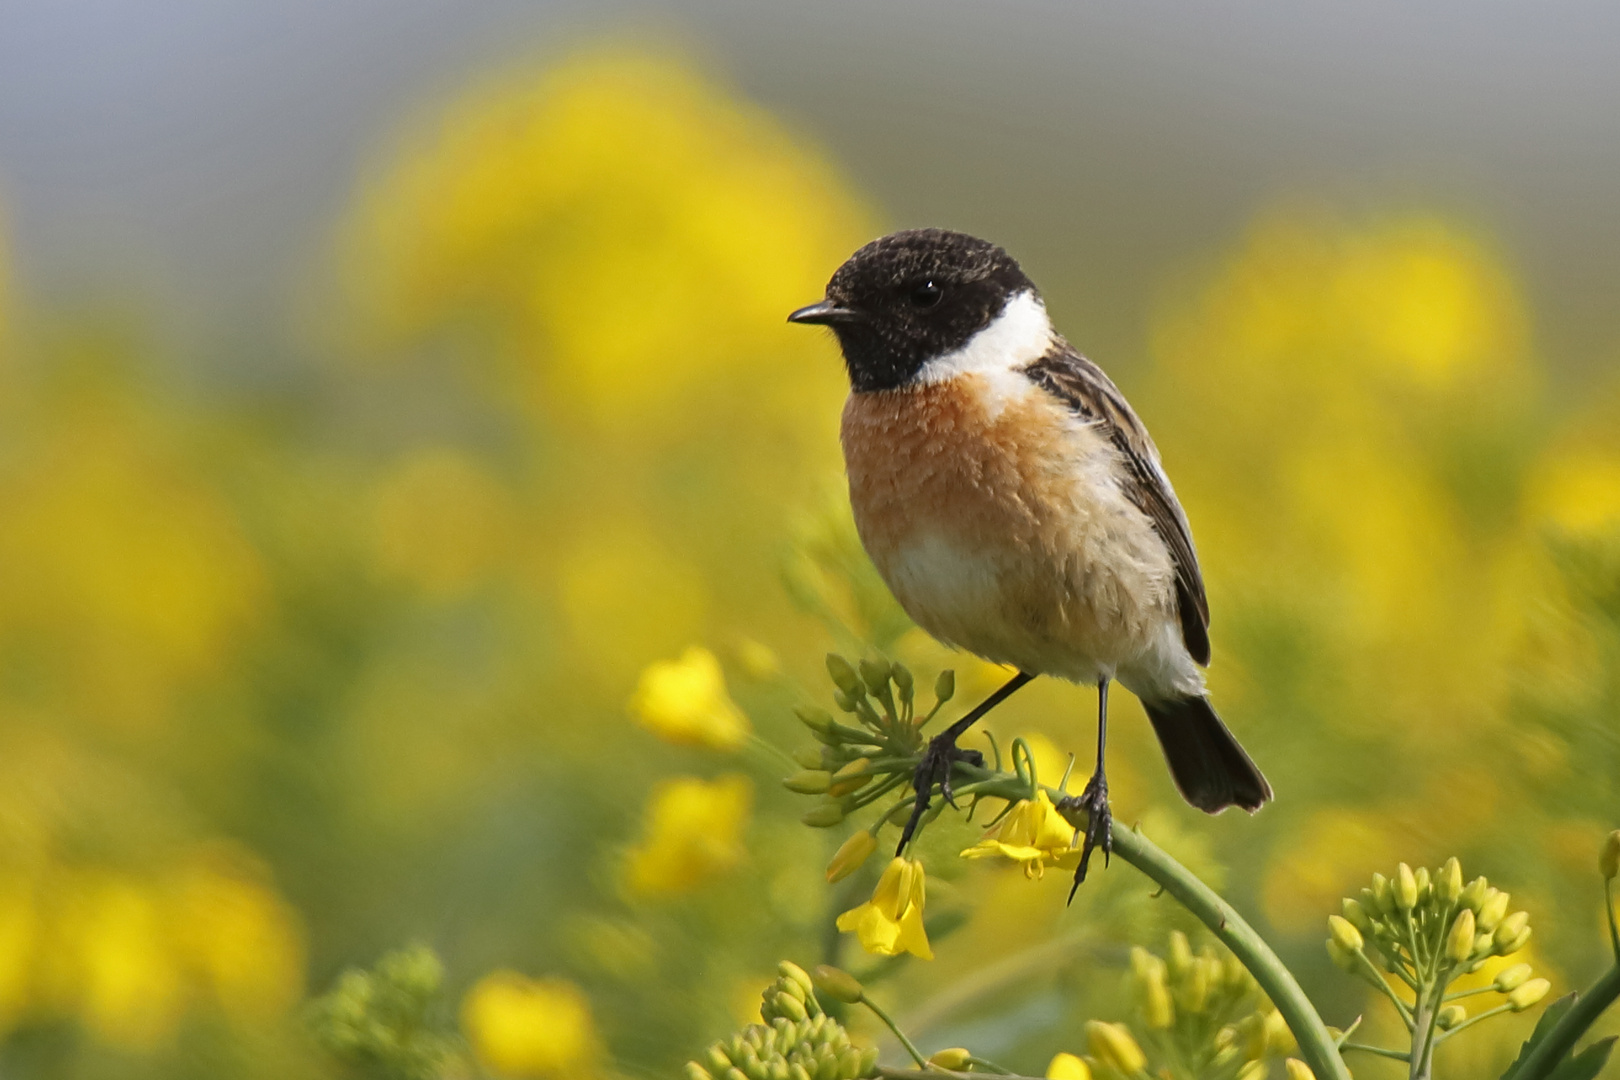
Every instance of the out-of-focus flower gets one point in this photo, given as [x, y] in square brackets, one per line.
[694, 830]
[1113, 1046]
[594, 214]
[1032, 833]
[1066, 1066]
[1298, 1070]
[891, 922]
[440, 521]
[685, 701]
[522, 1027]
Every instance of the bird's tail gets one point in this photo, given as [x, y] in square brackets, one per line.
[1211, 769]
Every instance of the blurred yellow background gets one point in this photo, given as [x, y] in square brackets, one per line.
[479, 630]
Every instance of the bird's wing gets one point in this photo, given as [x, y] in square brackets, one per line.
[1082, 386]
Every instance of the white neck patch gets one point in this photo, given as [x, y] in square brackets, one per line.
[1020, 335]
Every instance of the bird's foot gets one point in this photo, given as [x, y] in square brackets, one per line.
[936, 766]
[1099, 824]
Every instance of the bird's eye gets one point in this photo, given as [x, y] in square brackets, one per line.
[926, 295]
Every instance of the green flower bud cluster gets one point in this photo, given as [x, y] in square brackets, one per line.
[850, 766]
[386, 1022]
[1429, 929]
[1423, 925]
[797, 1041]
[1202, 1014]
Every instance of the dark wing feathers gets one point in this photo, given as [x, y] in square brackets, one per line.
[1082, 386]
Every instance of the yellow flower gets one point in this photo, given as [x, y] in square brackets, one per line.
[1068, 1067]
[1032, 833]
[891, 922]
[693, 831]
[685, 701]
[530, 1027]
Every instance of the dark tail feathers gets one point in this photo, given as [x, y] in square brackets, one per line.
[1210, 767]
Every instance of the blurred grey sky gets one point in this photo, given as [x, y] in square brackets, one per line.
[195, 150]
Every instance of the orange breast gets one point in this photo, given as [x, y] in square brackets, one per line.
[994, 517]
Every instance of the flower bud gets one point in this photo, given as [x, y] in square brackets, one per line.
[1484, 945]
[1357, 916]
[945, 685]
[1508, 948]
[809, 781]
[1344, 959]
[1510, 929]
[1510, 979]
[795, 974]
[843, 676]
[1348, 937]
[1297, 1070]
[1609, 860]
[824, 816]
[808, 757]
[1383, 895]
[1528, 994]
[1405, 888]
[789, 1006]
[1068, 1067]
[875, 674]
[847, 702]
[1112, 1045]
[716, 1059]
[694, 1071]
[1448, 883]
[819, 720]
[1473, 895]
[849, 857]
[848, 778]
[903, 681]
[798, 1072]
[1450, 1017]
[1492, 910]
[1424, 885]
[1460, 942]
[837, 984]
[1180, 956]
[1279, 1038]
[955, 1059]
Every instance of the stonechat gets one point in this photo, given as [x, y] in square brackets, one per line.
[1017, 508]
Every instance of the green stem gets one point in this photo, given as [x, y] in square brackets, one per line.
[1378, 980]
[1608, 910]
[1316, 1047]
[1562, 1038]
[1315, 1044]
[1472, 1020]
[1379, 1050]
[916, 1055]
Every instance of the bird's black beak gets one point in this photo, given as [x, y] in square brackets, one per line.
[825, 314]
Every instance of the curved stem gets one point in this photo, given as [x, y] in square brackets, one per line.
[1315, 1044]
[1562, 1038]
[916, 1055]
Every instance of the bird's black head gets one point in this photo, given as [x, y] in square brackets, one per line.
[910, 297]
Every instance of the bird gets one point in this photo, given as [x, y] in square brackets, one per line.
[1016, 507]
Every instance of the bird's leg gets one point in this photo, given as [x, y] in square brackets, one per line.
[1094, 799]
[942, 755]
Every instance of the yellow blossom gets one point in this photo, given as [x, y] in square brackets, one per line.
[891, 922]
[1068, 1067]
[694, 830]
[1031, 833]
[685, 702]
[525, 1027]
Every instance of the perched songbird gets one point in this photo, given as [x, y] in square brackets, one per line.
[1017, 509]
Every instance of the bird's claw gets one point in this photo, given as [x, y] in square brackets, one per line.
[1099, 825]
[936, 766]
